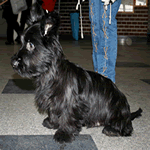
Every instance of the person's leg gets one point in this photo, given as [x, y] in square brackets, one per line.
[23, 19]
[99, 38]
[24, 15]
[112, 41]
[94, 6]
[16, 27]
[108, 46]
[9, 31]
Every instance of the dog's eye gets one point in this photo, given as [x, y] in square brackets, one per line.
[30, 46]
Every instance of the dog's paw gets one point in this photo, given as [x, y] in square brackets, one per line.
[62, 136]
[47, 124]
[110, 131]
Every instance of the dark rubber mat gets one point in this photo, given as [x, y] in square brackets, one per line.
[19, 86]
[146, 80]
[131, 64]
[44, 142]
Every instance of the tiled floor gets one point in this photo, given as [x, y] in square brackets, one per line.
[18, 115]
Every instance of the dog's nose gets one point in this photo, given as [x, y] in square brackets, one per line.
[15, 64]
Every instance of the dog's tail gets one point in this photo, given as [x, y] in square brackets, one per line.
[136, 114]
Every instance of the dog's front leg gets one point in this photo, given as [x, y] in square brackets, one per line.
[73, 112]
[69, 127]
[62, 136]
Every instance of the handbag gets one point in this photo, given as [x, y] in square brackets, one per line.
[18, 5]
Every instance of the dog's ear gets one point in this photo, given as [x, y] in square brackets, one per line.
[50, 23]
[48, 27]
[36, 14]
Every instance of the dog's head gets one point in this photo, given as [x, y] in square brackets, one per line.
[40, 47]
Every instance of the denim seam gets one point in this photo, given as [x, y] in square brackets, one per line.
[104, 14]
[94, 34]
[95, 44]
[105, 51]
[93, 27]
[104, 29]
[105, 37]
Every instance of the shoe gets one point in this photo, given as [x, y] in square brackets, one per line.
[9, 43]
[18, 40]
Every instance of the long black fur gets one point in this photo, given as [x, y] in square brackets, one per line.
[71, 96]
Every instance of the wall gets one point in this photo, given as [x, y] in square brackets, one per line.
[149, 22]
[134, 24]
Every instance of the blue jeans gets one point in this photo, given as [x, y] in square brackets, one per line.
[104, 37]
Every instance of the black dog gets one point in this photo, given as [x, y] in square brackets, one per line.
[71, 96]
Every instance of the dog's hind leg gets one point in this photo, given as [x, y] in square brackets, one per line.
[120, 128]
[109, 131]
